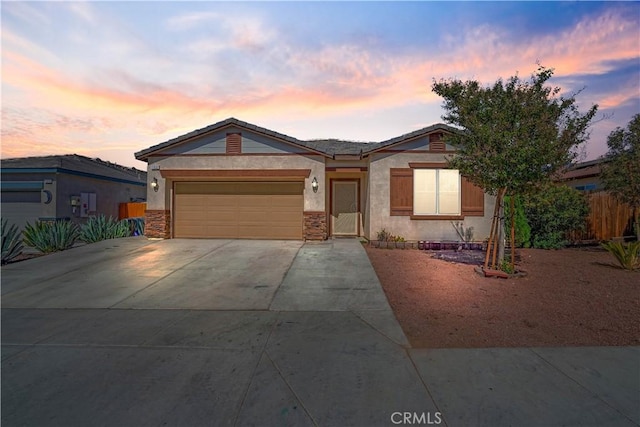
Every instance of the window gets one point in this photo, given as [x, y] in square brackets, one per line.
[436, 192]
[586, 187]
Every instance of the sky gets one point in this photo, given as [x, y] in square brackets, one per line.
[108, 79]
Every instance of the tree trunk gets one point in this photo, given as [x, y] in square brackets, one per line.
[495, 248]
[501, 233]
[513, 233]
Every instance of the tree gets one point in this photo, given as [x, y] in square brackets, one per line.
[515, 136]
[621, 173]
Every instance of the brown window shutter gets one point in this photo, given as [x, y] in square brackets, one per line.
[234, 143]
[472, 199]
[401, 192]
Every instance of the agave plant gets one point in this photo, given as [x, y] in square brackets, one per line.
[136, 226]
[628, 256]
[102, 228]
[11, 242]
[51, 236]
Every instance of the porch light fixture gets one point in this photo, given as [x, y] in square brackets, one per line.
[154, 184]
[314, 185]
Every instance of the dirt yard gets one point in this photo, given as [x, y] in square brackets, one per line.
[569, 297]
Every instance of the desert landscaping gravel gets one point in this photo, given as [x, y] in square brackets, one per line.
[569, 297]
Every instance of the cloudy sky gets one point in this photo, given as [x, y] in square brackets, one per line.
[107, 79]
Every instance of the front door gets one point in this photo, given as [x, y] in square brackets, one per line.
[344, 215]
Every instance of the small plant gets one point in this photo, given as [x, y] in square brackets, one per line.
[466, 234]
[397, 239]
[11, 243]
[383, 235]
[506, 266]
[51, 236]
[628, 256]
[100, 228]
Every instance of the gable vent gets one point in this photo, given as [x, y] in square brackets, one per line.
[436, 142]
[234, 143]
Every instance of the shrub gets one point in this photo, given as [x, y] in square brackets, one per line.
[628, 256]
[522, 228]
[11, 242]
[466, 234]
[51, 236]
[99, 228]
[553, 211]
[383, 235]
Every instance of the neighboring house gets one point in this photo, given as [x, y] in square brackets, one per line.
[584, 176]
[66, 187]
[237, 180]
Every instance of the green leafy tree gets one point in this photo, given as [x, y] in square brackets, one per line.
[621, 173]
[515, 135]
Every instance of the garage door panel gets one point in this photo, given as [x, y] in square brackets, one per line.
[262, 210]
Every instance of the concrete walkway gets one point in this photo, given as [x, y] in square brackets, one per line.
[134, 332]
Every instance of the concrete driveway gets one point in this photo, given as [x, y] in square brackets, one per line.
[134, 332]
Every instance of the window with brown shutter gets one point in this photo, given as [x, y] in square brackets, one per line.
[401, 192]
[234, 143]
[472, 199]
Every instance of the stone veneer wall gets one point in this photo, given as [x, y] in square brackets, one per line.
[315, 225]
[158, 223]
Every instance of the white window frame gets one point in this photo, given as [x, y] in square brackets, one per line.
[417, 192]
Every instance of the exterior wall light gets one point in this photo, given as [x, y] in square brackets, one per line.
[154, 184]
[314, 185]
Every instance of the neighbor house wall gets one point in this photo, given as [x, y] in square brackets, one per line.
[109, 195]
[379, 200]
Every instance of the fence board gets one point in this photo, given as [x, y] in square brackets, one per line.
[608, 218]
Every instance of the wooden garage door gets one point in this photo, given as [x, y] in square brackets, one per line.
[238, 210]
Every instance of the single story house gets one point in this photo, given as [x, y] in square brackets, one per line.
[69, 187]
[233, 179]
[584, 176]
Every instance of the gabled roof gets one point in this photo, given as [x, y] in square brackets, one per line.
[74, 163]
[144, 154]
[412, 136]
[588, 169]
[327, 147]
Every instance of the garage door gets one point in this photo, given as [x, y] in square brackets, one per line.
[238, 210]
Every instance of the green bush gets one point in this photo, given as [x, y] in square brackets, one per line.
[51, 236]
[522, 229]
[628, 255]
[11, 242]
[552, 212]
[98, 228]
[385, 236]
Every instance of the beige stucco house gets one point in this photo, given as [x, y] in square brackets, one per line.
[237, 180]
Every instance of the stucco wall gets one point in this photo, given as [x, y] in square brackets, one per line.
[109, 195]
[379, 217]
[162, 199]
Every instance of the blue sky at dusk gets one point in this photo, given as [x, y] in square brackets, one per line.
[107, 79]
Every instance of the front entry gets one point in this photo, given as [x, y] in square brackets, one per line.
[345, 216]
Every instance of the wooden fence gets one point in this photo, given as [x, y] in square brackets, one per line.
[608, 219]
[131, 210]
